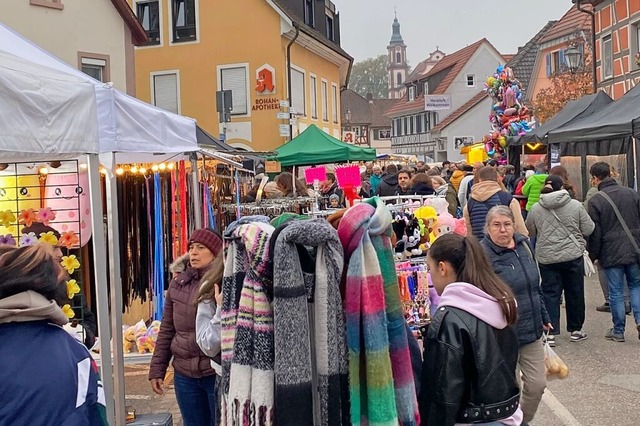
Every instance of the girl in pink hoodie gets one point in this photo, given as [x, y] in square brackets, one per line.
[471, 349]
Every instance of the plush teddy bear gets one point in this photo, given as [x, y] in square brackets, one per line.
[129, 338]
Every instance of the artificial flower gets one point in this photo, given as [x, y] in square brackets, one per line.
[28, 239]
[72, 288]
[68, 239]
[7, 218]
[26, 217]
[7, 240]
[48, 238]
[68, 311]
[46, 215]
[70, 263]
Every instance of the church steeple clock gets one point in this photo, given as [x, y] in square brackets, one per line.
[397, 67]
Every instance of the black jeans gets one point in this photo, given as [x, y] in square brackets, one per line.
[567, 276]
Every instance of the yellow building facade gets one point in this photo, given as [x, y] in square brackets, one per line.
[198, 47]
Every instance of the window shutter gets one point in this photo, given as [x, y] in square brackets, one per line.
[297, 91]
[548, 59]
[165, 92]
[562, 59]
[235, 79]
[334, 92]
[325, 102]
[313, 97]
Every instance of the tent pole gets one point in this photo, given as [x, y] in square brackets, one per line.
[635, 163]
[196, 191]
[102, 295]
[116, 291]
[237, 180]
[293, 178]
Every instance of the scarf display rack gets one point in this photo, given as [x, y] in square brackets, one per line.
[288, 312]
[270, 208]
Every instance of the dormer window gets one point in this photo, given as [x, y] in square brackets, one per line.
[309, 17]
[471, 80]
[412, 93]
[329, 28]
[426, 88]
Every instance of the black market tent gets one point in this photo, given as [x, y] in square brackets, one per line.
[204, 138]
[617, 120]
[606, 135]
[577, 109]
[314, 146]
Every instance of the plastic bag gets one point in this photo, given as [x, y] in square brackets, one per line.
[555, 367]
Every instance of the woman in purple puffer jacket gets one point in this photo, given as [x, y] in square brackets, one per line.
[194, 377]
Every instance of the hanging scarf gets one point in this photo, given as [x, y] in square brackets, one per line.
[247, 326]
[158, 250]
[381, 380]
[297, 280]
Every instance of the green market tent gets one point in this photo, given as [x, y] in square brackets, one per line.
[313, 146]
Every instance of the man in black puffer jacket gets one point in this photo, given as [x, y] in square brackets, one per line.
[610, 245]
[389, 183]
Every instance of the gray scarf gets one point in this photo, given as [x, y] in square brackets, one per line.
[307, 309]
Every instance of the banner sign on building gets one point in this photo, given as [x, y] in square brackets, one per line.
[437, 102]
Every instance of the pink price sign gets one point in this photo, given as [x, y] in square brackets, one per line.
[311, 174]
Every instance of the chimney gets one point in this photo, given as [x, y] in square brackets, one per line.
[369, 96]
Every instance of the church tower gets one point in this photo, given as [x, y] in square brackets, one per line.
[397, 62]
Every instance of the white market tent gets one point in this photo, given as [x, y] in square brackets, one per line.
[54, 111]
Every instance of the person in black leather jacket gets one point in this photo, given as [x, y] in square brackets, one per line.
[512, 259]
[471, 349]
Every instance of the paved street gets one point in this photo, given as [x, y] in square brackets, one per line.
[603, 388]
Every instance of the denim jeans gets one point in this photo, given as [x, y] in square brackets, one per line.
[196, 399]
[567, 276]
[604, 283]
[615, 277]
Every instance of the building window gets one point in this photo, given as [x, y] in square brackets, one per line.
[325, 101]
[426, 88]
[53, 4]
[329, 28]
[635, 44]
[412, 93]
[165, 92]
[313, 96]
[399, 79]
[235, 79]
[471, 80]
[384, 134]
[309, 13]
[298, 92]
[607, 57]
[412, 127]
[419, 123]
[94, 65]
[397, 126]
[184, 20]
[334, 98]
[398, 58]
[149, 16]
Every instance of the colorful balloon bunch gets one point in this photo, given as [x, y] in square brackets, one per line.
[509, 116]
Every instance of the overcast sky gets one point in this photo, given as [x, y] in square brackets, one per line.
[450, 25]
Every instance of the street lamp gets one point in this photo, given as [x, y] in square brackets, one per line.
[573, 57]
[347, 116]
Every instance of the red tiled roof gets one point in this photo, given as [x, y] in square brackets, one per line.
[456, 61]
[572, 21]
[460, 112]
[404, 105]
[453, 65]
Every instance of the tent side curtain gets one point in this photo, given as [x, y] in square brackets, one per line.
[44, 113]
[314, 146]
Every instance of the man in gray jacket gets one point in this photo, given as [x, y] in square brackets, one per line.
[561, 225]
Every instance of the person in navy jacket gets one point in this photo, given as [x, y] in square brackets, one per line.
[47, 376]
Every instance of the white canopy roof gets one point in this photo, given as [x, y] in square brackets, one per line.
[44, 113]
[125, 124]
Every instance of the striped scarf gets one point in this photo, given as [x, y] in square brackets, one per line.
[382, 388]
[309, 326]
[247, 326]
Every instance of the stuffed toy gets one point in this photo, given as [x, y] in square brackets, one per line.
[446, 225]
[413, 238]
[152, 336]
[461, 227]
[140, 335]
[429, 217]
[399, 225]
[128, 338]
